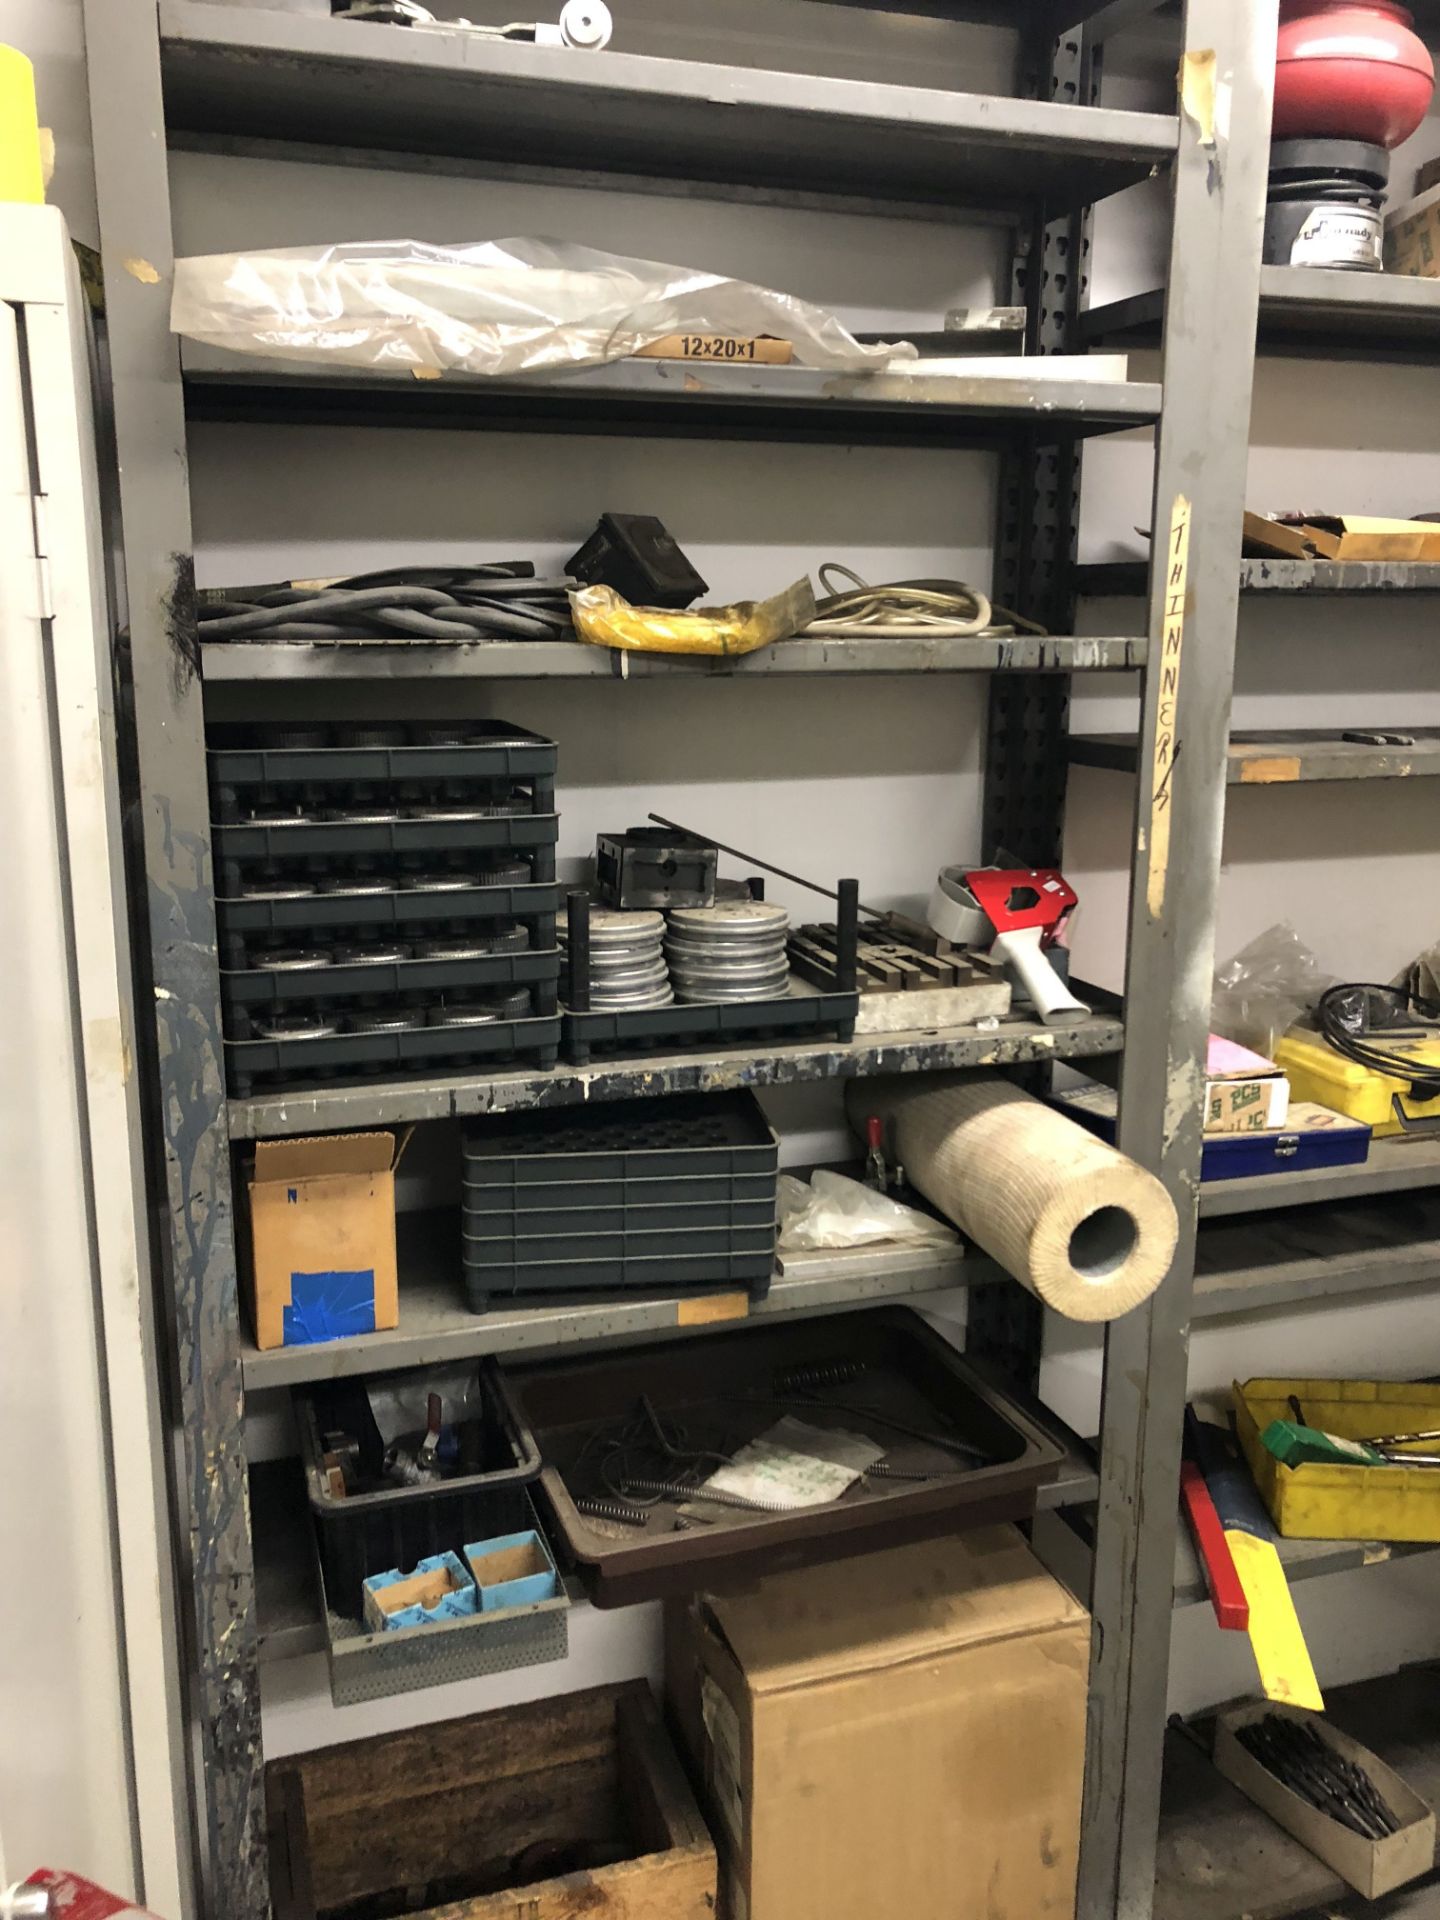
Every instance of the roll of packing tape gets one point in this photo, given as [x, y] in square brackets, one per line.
[1084, 1228]
[955, 914]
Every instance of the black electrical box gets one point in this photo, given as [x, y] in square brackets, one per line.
[637, 555]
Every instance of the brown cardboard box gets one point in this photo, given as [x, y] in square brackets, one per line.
[1412, 236]
[322, 1233]
[1374, 1867]
[901, 1734]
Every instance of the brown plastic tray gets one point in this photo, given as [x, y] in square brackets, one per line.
[722, 1390]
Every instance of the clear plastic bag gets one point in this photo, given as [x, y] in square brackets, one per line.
[497, 307]
[400, 1405]
[606, 620]
[1265, 988]
[835, 1211]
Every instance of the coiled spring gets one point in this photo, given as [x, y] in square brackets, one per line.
[682, 1490]
[615, 1510]
[838, 1373]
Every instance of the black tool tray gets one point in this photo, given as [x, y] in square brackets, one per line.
[726, 1389]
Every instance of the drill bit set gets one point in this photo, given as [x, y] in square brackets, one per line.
[1294, 1752]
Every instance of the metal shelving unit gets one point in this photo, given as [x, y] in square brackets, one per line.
[374, 659]
[1281, 759]
[234, 80]
[436, 1324]
[673, 397]
[354, 1104]
[1309, 310]
[1119, 577]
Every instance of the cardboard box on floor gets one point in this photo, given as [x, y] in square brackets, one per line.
[898, 1734]
[322, 1238]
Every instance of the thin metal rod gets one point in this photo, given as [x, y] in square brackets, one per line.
[780, 872]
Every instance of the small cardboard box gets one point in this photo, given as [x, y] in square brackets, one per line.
[1372, 1867]
[322, 1238]
[1412, 237]
[902, 1733]
[1244, 1092]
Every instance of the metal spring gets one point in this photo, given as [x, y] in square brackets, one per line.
[613, 1510]
[880, 1471]
[838, 1373]
[680, 1490]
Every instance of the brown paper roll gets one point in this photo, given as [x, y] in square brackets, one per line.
[1084, 1228]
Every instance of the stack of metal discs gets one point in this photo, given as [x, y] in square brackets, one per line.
[734, 950]
[627, 964]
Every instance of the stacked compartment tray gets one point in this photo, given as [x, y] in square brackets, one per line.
[797, 1013]
[677, 1194]
[387, 836]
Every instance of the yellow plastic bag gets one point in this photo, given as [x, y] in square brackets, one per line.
[606, 620]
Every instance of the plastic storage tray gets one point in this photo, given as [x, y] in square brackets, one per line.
[731, 1387]
[374, 1666]
[267, 986]
[368, 1533]
[492, 750]
[528, 1222]
[245, 840]
[1318, 1501]
[740, 1264]
[405, 908]
[616, 1143]
[381, 1056]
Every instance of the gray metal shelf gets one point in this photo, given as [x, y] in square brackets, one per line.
[669, 397]
[1301, 1256]
[371, 659]
[232, 70]
[1012, 1042]
[436, 1324]
[287, 1595]
[1120, 577]
[1283, 758]
[1308, 310]
[1394, 1166]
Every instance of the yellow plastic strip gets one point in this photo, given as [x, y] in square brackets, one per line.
[1283, 1659]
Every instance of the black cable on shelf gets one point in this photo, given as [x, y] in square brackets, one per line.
[500, 601]
[1339, 1016]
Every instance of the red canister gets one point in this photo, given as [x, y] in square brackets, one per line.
[1350, 69]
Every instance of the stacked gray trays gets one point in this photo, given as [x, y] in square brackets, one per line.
[386, 898]
[662, 1196]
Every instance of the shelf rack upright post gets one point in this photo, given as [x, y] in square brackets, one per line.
[234, 74]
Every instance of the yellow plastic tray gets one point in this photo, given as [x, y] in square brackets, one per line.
[1316, 1072]
[1318, 1502]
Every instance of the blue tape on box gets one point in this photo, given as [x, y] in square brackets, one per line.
[328, 1306]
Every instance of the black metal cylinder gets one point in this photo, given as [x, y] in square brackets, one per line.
[847, 926]
[577, 905]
